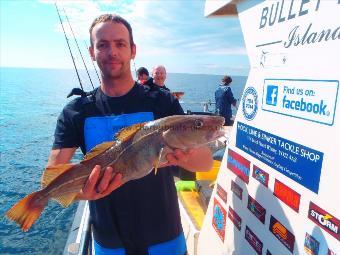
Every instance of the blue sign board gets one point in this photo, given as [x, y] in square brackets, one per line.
[297, 162]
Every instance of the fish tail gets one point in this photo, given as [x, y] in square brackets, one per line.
[27, 210]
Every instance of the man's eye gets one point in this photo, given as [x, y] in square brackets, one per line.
[120, 45]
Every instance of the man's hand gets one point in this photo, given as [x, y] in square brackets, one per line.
[194, 160]
[98, 186]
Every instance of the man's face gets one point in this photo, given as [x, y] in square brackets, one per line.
[143, 77]
[159, 76]
[111, 49]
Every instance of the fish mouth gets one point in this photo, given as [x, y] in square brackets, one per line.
[218, 133]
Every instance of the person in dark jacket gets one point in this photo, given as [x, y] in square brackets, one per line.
[224, 99]
[143, 77]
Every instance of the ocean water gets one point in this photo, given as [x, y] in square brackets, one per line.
[30, 102]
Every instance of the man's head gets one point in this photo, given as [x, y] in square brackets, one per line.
[159, 75]
[112, 46]
[115, 19]
[142, 74]
[226, 80]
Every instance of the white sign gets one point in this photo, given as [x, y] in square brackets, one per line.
[281, 169]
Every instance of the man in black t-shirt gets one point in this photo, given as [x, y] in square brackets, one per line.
[142, 216]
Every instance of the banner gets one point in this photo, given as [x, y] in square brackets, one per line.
[281, 170]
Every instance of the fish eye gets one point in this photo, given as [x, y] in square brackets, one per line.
[198, 123]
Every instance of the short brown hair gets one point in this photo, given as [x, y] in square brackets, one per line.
[226, 80]
[115, 19]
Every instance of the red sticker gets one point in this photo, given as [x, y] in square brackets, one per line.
[287, 195]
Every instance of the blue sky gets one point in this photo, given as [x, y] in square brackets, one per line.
[173, 33]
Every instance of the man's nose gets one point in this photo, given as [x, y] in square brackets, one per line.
[112, 50]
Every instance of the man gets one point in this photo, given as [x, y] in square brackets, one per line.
[159, 76]
[141, 216]
[224, 99]
[143, 76]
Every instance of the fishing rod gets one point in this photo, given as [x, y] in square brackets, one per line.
[68, 44]
[94, 66]
[75, 39]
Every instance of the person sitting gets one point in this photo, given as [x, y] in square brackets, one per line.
[224, 100]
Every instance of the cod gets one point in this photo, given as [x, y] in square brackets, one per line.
[136, 150]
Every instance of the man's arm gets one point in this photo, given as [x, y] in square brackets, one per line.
[98, 185]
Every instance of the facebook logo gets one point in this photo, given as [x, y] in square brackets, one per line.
[272, 92]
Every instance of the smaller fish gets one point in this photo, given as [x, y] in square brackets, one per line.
[138, 149]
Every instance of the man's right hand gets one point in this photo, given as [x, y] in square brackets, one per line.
[98, 186]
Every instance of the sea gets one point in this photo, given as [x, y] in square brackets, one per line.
[30, 102]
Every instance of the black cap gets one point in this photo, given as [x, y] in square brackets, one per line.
[142, 70]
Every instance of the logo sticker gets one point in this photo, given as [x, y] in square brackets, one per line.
[282, 234]
[311, 100]
[260, 175]
[272, 92]
[253, 240]
[219, 219]
[249, 103]
[256, 209]
[287, 195]
[311, 245]
[236, 189]
[235, 218]
[238, 165]
[222, 193]
[325, 220]
[330, 252]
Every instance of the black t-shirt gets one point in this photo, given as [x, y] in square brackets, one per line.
[142, 212]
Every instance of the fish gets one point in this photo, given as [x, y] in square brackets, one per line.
[134, 153]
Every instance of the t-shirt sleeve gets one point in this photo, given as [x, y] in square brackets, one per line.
[66, 134]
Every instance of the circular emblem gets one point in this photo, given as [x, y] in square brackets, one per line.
[249, 103]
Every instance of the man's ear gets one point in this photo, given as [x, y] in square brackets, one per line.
[91, 51]
[133, 51]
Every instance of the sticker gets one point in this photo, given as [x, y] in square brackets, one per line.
[249, 103]
[235, 218]
[260, 175]
[325, 220]
[311, 100]
[219, 219]
[238, 165]
[285, 156]
[287, 195]
[282, 234]
[256, 209]
[311, 245]
[253, 240]
[236, 189]
[222, 193]
[330, 252]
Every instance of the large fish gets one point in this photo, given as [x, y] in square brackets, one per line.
[137, 150]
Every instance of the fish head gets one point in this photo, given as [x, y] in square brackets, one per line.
[189, 131]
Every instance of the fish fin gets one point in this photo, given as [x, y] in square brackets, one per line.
[158, 160]
[128, 132]
[98, 149]
[27, 210]
[65, 200]
[53, 172]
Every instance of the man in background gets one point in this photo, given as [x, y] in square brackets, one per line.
[143, 76]
[159, 76]
[224, 99]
